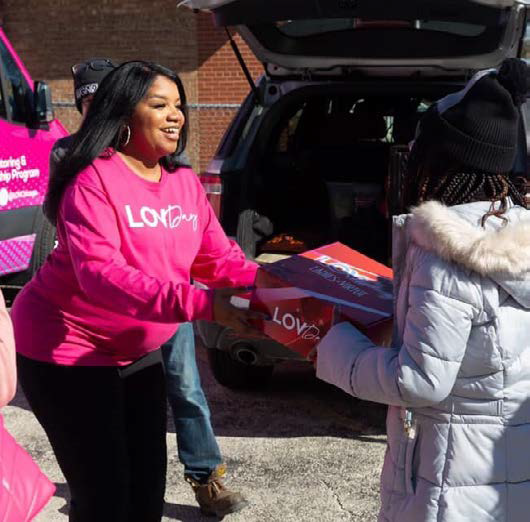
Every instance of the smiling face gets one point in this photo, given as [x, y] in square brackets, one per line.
[156, 122]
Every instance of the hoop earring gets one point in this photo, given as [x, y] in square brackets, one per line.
[126, 142]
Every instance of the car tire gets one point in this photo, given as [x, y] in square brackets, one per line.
[44, 243]
[237, 375]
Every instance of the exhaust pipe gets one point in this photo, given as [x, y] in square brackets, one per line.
[245, 356]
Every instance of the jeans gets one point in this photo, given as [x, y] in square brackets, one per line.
[197, 448]
[108, 432]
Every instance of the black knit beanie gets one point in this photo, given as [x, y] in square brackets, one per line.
[87, 77]
[478, 126]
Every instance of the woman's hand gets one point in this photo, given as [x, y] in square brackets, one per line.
[237, 319]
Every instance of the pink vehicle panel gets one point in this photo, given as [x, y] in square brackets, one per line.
[24, 157]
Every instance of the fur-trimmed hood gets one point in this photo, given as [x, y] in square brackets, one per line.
[500, 251]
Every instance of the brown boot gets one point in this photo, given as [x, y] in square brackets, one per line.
[214, 498]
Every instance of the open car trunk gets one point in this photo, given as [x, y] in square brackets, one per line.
[326, 37]
[331, 170]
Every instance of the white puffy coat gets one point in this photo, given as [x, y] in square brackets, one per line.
[458, 378]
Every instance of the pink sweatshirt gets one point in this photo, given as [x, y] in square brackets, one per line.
[118, 283]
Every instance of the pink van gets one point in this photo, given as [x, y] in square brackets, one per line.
[27, 132]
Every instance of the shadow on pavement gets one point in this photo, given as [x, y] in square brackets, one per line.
[63, 492]
[180, 512]
[185, 513]
[19, 400]
[295, 404]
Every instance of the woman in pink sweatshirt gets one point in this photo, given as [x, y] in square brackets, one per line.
[133, 229]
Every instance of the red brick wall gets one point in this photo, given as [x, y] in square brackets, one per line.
[220, 81]
[51, 35]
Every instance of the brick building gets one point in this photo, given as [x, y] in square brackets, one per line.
[51, 35]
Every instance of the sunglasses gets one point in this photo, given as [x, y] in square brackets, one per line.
[95, 65]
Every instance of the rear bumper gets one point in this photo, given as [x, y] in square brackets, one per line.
[266, 351]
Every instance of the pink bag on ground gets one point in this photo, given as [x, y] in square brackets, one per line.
[8, 364]
[24, 489]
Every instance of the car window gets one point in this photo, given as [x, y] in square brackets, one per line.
[526, 42]
[341, 121]
[2, 105]
[236, 127]
[287, 132]
[17, 87]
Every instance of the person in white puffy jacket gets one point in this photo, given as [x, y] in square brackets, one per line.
[457, 379]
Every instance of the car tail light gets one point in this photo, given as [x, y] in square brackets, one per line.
[213, 187]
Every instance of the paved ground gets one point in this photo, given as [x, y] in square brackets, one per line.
[300, 451]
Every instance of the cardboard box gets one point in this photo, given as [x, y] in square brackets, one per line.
[307, 293]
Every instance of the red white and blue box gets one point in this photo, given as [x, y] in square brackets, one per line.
[307, 293]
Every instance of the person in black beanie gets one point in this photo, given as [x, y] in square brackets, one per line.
[457, 376]
[466, 144]
[87, 76]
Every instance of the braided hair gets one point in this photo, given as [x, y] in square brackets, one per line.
[450, 142]
[435, 177]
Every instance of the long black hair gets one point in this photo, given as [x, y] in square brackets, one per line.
[102, 130]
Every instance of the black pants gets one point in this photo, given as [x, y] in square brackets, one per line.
[108, 430]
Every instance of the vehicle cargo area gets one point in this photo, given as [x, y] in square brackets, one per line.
[331, 171]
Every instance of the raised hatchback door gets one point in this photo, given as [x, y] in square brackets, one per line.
[323, 36]
[245, 12]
